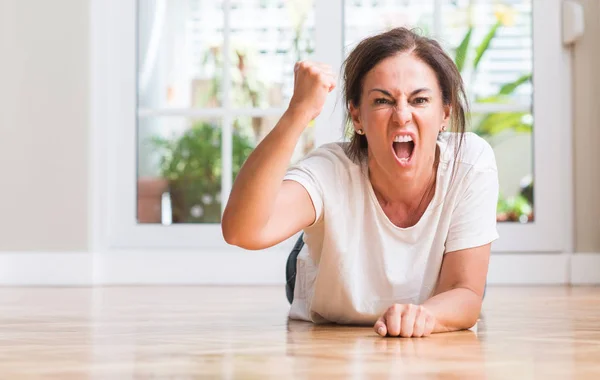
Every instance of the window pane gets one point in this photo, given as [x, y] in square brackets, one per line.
[363, 18]
[248, 132]
[267, 38]
[179, 170]
[178, 53]
[509, 133]
[491, 43]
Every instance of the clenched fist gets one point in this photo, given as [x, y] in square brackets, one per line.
[406, 320]
[312, 82]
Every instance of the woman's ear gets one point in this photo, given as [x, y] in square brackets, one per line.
[447, 113]
[355, 115]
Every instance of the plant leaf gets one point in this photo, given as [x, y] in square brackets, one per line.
[485, 44]
[505, 90]
[509, 88]
[498, 122]
[493, 99]
[462, 49]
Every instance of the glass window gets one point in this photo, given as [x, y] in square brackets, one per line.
[213, 79]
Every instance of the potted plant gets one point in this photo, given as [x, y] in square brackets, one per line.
[191, 165]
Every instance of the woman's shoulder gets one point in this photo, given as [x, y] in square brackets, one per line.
[334, 148]
[327, 164]
[333, 154]
[327, 168]
[468, 149]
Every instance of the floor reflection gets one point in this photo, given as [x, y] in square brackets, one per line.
[359, 351]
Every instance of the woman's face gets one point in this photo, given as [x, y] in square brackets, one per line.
[401, 113]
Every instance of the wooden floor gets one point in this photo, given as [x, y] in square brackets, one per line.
[227, 332]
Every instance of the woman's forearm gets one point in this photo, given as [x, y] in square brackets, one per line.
[455, 309]
[255, 189]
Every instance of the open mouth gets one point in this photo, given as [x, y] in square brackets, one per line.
[404, 147]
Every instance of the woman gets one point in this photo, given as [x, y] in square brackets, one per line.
[398, 222]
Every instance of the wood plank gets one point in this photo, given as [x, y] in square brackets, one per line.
[237, 332]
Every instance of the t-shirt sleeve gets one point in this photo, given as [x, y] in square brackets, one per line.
[313, 172]
[473, 221]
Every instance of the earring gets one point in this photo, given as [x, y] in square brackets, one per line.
[360, 132]
[443, 128]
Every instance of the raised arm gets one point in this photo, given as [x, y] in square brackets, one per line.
[263, 209]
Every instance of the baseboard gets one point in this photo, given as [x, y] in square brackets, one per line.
[585, 268]
[230, 267]
[45, 268]
[238, 267]
[225, 267]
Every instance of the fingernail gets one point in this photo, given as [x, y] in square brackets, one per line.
[380, 331]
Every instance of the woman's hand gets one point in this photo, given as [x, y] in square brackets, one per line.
[406, 320]
[312, 82]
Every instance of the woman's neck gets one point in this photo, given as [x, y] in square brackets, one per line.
[401, 192]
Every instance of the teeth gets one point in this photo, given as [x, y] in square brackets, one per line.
[404, 138]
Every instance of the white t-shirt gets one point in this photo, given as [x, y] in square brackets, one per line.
[356, 262]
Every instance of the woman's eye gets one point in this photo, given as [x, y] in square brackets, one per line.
[382, 101]
[421, 100]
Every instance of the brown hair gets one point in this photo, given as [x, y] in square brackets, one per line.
[370, 51]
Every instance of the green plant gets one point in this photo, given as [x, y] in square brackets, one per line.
[192, 165]
[491, 124]
[468, 57]
[516, 208]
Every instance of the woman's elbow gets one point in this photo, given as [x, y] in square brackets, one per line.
[472, 317]
[229, 230]
[232, 237]
[244, 243]
[228, 236]
[235, 236]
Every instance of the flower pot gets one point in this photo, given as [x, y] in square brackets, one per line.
[149, 198]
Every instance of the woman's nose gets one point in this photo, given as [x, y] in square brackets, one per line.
[402, 114]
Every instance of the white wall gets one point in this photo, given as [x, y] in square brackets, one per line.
[586, 112]
[44, 76]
